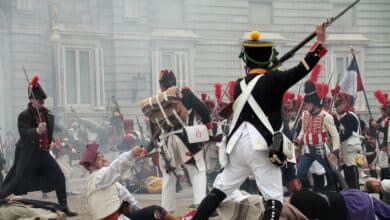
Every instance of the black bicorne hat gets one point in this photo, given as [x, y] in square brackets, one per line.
[256, 53]
[35, 90]
[167, 78]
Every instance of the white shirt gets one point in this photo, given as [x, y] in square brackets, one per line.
[107, 176]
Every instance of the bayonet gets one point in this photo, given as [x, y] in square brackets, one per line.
[328, 22]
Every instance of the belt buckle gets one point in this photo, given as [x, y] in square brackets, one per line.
[320, 149]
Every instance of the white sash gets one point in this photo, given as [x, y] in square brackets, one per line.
[246, 95]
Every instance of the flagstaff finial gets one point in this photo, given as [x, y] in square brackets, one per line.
[352, 51]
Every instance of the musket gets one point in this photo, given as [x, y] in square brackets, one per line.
[223, 94]
[298, 116]
[332, 101]
[141, 130]
[167, 162]
[297, 119]
[227, 111]
[330, 78]
[292, 52]
[32, 92]
[116, 103]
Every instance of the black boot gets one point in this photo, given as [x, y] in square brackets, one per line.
[63, 202]
[385, 173]
[351, 174]
[273, 208]
[319, 182]
[373, 173]
[209, 204]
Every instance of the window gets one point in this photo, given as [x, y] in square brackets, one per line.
[341, 64]
[177, 61]
[131, 8]
[24, 5]
[81, 78]
[78, 63]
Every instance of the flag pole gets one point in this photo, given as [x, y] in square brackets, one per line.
[364, 89]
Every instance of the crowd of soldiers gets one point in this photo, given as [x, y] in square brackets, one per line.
[311, 148]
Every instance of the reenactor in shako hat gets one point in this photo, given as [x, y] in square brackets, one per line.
[175, 147]
[350, 133]
[250, 140]
[317, 126]
[382, 125]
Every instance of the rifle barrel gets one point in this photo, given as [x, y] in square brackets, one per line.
[328, 22]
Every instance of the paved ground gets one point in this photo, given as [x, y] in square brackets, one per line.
[78, 202]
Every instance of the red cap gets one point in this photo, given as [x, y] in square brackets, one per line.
[89, 155]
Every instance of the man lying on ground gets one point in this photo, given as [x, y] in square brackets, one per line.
[374, 185]
[349, 204]
[18, 208]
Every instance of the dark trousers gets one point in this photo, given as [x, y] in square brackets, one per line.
[1, 177]
[148, 213]
[317, 153]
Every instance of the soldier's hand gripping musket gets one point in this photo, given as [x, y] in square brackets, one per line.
[327, 23]
[227, 111]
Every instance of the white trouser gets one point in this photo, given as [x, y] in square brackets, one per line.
[383, 159]
[316, 168]
[349, 153]
[245, 161]
[198, 180]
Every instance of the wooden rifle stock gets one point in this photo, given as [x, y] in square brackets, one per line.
[226, 111]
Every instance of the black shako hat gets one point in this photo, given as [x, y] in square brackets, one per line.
[311, 95]
[167, 78]
[256, 53]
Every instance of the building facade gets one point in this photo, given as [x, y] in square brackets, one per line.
[87, 51]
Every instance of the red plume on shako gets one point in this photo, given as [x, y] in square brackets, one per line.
[204, 96]
[335, 90]
[322, 90]
[382, 97]
[218, 91]
[231, 86]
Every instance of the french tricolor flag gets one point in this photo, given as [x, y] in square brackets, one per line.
[352, 81]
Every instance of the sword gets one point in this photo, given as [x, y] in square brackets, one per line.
[32, 92]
